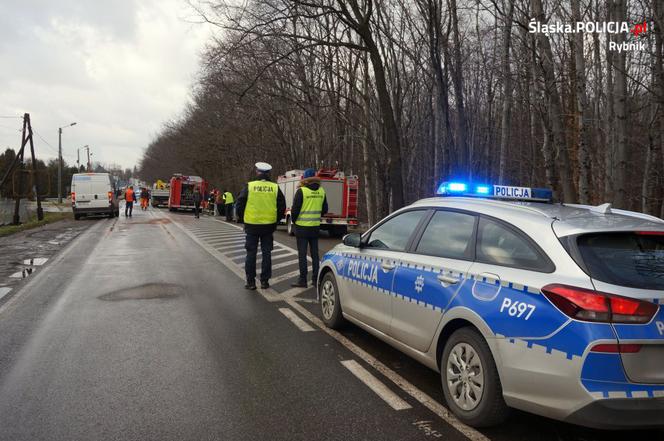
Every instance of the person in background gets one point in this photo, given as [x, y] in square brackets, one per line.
[219, 202]
[260, 205]
[130, 197]
[198, 197]
[309, 204]
[145, 197]
[229, 202]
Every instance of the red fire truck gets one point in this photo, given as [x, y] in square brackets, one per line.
[341, 193]
[182, 191]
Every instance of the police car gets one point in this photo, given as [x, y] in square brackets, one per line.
[518, 302]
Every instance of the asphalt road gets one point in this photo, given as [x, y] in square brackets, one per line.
[140, 329]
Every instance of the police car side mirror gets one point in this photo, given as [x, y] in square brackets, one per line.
[353, 240]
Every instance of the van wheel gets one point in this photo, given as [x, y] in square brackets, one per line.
[330, 306]
[290, 228]
[471, 384]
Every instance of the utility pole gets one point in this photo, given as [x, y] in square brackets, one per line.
[78, 157]
[89, 166]
[60, 160]
[18, 162]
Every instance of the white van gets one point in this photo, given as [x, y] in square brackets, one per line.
[93, 194]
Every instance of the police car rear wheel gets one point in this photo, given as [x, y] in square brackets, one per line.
[329, 302]
[470, 380]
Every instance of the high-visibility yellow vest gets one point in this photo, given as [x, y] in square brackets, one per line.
[312, 205]
[228, 198]
[261, 206]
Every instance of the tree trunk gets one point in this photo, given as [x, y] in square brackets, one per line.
[507, 94]
[583, 138]
[620, 103]
[457, 80]
[555, 112]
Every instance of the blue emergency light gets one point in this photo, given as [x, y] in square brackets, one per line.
[495, 191]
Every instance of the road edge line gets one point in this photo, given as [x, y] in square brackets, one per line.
[412, 390]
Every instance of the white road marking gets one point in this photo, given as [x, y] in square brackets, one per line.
[286, 276]
[223, 246]
[222, 240]
[376, 385]
[424, 399]
[285, 264]
[4, 291]
[272, 296]
[297, 321]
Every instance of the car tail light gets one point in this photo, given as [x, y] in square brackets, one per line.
[649, 233]
[110, 196]
[594, 306]
[614, 348]
[73, 196]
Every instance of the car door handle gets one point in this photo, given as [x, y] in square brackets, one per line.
[447, 279]
[387, 266]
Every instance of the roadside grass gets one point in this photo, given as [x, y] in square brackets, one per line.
[34, 223]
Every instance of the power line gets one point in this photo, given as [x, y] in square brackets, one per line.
[11, 128]
[8, 117]
[71, 157]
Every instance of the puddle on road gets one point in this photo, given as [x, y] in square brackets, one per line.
[36, 261]
[4, 290]
[147, 291]
[157, 221]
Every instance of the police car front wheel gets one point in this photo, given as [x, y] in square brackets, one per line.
[470, 380]
[330, 306]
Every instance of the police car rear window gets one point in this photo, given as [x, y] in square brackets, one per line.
[630, 259]
[498, 244]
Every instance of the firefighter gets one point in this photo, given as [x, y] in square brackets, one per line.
[130, 198]
[145, 196]
[309, 204]
[219, 202]
[228, 205]
[260, 206]
[198, 197]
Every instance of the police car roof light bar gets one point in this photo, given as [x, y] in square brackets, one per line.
[495, 192]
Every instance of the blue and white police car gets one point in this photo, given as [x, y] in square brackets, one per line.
[518, 302]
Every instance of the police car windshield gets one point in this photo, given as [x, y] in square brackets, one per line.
[630, 259]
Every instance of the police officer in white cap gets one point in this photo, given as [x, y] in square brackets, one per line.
[260, 206]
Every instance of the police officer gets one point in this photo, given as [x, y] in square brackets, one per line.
[309, 204]
[260, 205]
[228, 205]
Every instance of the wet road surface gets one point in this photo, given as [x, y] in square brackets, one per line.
[140, 329]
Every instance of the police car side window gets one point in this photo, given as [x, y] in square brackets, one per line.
[499, 245]
[395, 233]
[449, 234]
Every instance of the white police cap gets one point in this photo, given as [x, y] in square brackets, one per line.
[263, 167]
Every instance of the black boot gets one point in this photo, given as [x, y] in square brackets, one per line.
[264, 284]
[250, 285]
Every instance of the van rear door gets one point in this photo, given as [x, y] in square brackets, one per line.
[91, 190]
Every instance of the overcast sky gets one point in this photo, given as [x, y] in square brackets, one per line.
[119, 69]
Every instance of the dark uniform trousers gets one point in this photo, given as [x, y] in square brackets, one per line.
[229, 211]
[311, 242]
[251, 245]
